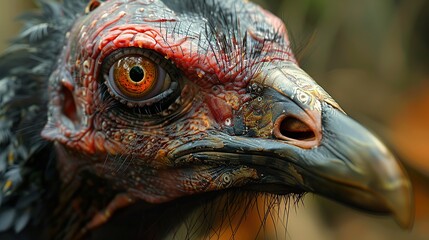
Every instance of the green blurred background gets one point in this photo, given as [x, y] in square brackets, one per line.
[372, 56]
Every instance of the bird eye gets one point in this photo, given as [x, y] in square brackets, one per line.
[138, 77]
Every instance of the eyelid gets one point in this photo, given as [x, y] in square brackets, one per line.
[148, 53]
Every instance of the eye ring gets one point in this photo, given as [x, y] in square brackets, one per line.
[140, 77]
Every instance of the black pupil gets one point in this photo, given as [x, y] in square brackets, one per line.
[136, 74]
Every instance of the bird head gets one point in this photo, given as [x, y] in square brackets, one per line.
[164, 99]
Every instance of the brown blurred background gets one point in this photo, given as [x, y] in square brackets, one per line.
[372, 56]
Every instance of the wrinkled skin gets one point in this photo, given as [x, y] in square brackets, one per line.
[214, 89]
[244, 115]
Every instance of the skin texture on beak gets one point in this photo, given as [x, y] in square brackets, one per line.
[341, 159]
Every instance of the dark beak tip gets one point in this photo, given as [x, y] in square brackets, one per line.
[401, 205]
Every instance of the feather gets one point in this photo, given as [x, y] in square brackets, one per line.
[36, 33]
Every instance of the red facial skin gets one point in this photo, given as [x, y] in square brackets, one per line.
[135, 153]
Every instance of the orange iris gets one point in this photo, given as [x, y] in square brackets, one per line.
[135, 76]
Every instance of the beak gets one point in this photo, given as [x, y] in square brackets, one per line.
[335, 156]
[349, 165]
[299, 140]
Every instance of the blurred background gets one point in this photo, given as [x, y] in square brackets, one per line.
[373, 58]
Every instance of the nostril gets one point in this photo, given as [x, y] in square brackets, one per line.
[69, 106]
[292, 128]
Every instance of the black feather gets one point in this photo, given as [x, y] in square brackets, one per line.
[26, 170]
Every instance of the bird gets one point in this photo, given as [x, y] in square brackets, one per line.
[120, 118]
